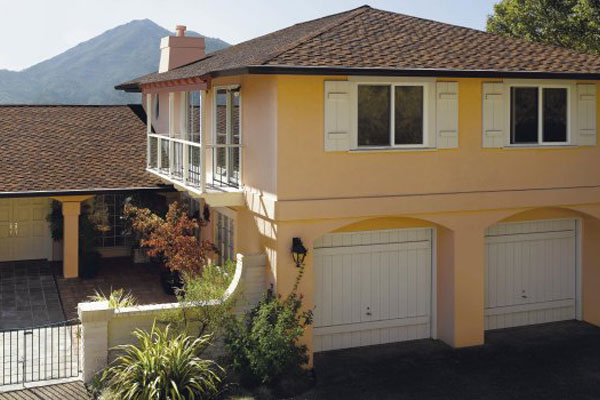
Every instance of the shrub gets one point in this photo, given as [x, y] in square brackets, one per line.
[203, 308]
[162, 366]
[116, 299]
[263, 345]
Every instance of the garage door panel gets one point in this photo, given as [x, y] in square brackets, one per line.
[530, 274]
[372, 293]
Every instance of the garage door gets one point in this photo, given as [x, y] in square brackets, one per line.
[372, 288]
[530, 275]
[24, 233]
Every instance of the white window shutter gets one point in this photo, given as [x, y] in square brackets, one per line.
[586, 115]
[494, 121]
[447, 115]
[337, 116]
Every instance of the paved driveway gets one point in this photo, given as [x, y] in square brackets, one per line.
[28, 295]
[552, 361]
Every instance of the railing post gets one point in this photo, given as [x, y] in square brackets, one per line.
[94, 318]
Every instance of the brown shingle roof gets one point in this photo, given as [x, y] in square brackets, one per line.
[369, 39]
[72, 148]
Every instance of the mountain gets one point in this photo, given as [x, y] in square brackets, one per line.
[88, 72]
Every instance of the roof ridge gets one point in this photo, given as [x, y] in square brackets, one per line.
[351, 15]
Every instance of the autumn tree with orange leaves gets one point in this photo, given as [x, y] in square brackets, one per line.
[172, 238]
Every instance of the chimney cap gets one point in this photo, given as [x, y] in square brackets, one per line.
[180, 30]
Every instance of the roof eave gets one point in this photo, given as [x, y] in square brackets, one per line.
[78, 192]
[416, 72]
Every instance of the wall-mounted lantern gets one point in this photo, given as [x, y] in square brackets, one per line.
[298, 251]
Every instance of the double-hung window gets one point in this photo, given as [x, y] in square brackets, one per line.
[539, 115]
[391, 115]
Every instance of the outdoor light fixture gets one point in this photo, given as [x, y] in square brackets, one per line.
[298, 251]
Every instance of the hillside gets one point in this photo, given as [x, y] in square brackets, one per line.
[87, 73]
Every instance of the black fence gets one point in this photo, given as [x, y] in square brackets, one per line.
[41, 353]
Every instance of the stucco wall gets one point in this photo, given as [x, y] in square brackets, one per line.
[312, 173]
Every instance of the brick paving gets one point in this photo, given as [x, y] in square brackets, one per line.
[141, 279]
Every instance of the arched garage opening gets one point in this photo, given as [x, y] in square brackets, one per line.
[376, 282]
[537, 266]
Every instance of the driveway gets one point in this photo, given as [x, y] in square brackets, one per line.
[551, 361]
[28, 295]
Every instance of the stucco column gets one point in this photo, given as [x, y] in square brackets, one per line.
[461, 268]
[71, 211]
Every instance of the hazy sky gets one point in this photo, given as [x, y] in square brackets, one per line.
[34, 30]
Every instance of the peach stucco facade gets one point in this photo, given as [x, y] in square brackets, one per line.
[293, 188]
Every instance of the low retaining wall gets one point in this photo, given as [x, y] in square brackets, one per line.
[103, 328]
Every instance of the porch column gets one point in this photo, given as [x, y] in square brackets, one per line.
[460, 302]
[71, 211]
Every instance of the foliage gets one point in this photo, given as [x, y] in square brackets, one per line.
[162, 366]
[567, 23]
[91, 222]
[264, 345]
[173, 238]
[116, 299]
[203, 306]
[56, 221]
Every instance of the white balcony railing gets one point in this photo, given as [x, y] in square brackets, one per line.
[195, 166]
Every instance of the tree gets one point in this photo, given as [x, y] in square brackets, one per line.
[573, 24]
[172, 239]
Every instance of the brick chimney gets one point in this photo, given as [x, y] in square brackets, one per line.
[179, 50]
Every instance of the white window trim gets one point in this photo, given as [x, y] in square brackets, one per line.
[428, 109]
[540, 86]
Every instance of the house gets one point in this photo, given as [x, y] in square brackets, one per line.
[70, 154]
[445, 181]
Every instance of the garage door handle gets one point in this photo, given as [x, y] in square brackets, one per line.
[524, 297]
[369, 313]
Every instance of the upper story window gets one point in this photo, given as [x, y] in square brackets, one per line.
[193, 102]
[226, 160]
[391, 115]
[539, 115]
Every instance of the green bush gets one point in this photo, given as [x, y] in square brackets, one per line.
[264, 345]
[162, 366]
[116, 299]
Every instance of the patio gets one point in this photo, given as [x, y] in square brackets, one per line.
[28, 295]
[142, 280]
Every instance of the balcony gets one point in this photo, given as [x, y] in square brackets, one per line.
[210, 171]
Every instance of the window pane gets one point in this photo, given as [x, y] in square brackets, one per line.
[524, 115]
[194, 116]
[555, 115]
[408, 114]
[373, 115]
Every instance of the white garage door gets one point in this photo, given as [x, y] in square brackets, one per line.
[530, 275]
[372, 288]
[24, 233]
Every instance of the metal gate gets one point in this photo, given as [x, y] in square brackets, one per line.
[41, 353]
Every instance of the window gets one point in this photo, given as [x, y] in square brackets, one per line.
[194, 116]
[226, 162]
[538, 115]
[391, 115]
[224, 235]
[156, 106]
[110, 206]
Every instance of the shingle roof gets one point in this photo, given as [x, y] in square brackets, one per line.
[72, 148]
[370, 39]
